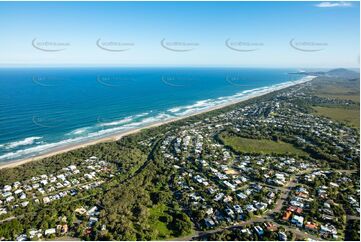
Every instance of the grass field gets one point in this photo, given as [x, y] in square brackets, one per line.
[338, 90]
[156, 213]
[260, 146]
[349, 116]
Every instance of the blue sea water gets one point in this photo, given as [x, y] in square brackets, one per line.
[45, 109]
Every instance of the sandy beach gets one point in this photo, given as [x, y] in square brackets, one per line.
[117, 136]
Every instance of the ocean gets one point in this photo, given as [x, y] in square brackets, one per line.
[42, 109]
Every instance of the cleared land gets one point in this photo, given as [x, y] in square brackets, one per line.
[342, 89]
[339, 90]
[349, 116]
[159, 221]
[262, 146]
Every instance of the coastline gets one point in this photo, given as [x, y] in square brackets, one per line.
[119, 135]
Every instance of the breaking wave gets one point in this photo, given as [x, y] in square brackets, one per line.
[15, 144]
[104, 129]
[125, 120]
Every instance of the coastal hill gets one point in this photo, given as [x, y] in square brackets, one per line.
[338, 73]
[342, 72]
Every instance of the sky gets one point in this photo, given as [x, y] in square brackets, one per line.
[236, 34]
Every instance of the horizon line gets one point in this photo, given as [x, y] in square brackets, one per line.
[167, 66]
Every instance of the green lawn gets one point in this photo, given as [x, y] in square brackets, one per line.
[260, 146]
[157, 214]
[350, 116]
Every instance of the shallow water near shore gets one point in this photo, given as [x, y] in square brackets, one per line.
[44, 109]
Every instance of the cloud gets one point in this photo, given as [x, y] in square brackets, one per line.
[333, 4]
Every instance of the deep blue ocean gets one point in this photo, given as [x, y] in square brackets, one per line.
[44, 109]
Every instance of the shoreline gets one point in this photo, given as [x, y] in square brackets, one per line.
[117, 136]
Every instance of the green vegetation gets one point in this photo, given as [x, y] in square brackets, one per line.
[236, 234]
[339, 93]
[353, 230]
[340, 89]
[350, 116]
[260, 146]
[136, 204]
[125, 157]
[155, 180]
[160, 219]
[343, 100]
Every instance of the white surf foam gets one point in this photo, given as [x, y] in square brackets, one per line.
[124, 120]
[78, 131]
[15, 144]
[127, 124]
[49, 146]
